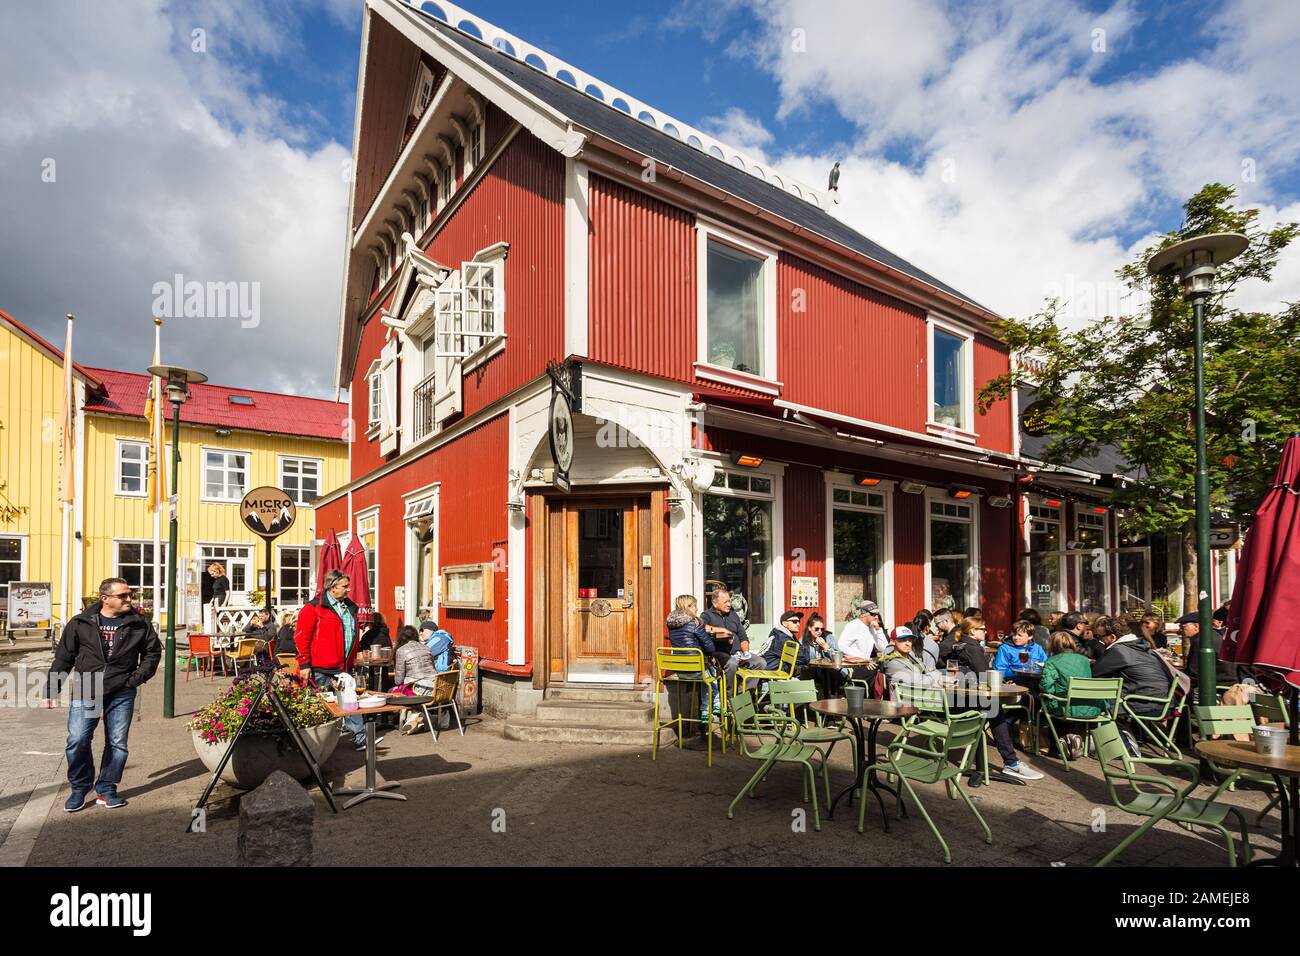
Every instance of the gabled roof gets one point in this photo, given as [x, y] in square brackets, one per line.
[125, 393]
[588, 112]
[40, 343]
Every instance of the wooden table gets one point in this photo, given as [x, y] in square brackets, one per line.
[874, 711]
[1242, 753]
[369, 715]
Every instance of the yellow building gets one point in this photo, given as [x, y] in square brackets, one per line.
[232, 440]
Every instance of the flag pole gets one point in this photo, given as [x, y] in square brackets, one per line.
[156, 449]
[65, 473]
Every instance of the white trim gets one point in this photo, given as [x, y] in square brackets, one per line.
[966, 431]
[251, 567]
[363, 515]
[577, 225]
[1030, 502]
[890, 429]
[411, 610]
[203, 473]
[279, 575]
[775, 471]
[1107, 580]
[144, 471]
[281, 458]
[21, 538]
[975, 571]
[160, 565]
[729, 376]
[706, 230]
[834, 480]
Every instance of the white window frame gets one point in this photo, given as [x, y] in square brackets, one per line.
[422, 503]
[203, 473]
[769, 469]
[975, 572]
[966, 431]
[144, 474]
[839, 481]
[320, 475]
[372, 554]
[1063, 594]
[22, 555]
[374, 399]
[251, 566]
[1107, 577]
[279, 579]
[768, 382]
[117, 566]
[474, 143]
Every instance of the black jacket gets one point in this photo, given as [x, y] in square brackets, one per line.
[967, 652]
[136, 652]
[1137, 664]
[1226, 673]
[284, 641]
[377, 634]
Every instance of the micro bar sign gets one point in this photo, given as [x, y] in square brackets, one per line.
[267, 511]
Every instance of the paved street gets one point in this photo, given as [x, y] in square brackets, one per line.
[559, 804]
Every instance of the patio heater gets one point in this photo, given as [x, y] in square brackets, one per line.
[179, 381]
[1196, 261]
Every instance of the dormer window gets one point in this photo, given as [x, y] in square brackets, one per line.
[241, 400]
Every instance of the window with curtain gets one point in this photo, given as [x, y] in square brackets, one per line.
[950, 385]
[735, 303]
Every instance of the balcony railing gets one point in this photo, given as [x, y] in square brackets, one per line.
[424, 395]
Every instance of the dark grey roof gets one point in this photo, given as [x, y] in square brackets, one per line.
[1107, 461]
[591, 113]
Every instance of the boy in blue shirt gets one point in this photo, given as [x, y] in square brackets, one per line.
[1021, 641]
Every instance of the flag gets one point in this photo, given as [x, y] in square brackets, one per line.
[153, 412]
[66, 437]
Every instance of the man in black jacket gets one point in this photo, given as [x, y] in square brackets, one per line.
[1132, 658]
[111, 650]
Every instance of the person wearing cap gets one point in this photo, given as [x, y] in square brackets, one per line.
[903, 666]
[1189, 626]
[786, 630]
[863, 637]
[439, 643]
[1021, 642]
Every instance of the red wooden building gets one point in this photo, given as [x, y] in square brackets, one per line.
[768, 398]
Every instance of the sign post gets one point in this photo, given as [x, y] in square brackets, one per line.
[31, 608]
[268, 512]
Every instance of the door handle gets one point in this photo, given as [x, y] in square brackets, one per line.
[631, 597]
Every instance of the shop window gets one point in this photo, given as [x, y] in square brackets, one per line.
[1044, 575]
[11, 561]
[368, 532]
[295, 578]
[739, 545]
[858, 550]
[952, 569]
[1092, 563]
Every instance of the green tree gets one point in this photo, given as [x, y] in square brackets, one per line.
[1128, 382]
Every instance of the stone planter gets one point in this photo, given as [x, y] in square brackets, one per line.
[257, 756]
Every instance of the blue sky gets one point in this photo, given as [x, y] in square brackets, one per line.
[994, 143]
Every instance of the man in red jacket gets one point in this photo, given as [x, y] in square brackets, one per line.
[326, 638]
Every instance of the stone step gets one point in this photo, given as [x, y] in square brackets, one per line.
[532, 730]
[596, 713]
[614, 693]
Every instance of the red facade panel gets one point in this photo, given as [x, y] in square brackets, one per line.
[641, 287]
[848, 349]
[999, 599]
[994, 428]
[472, 525]
[909, 554]
[519, 201]
[805, 531]
[365, 453]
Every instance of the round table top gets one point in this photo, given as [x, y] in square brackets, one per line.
[1242, 753]
[338, 711]
[871, 709]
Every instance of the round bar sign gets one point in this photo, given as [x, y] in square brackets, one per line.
[268, 511]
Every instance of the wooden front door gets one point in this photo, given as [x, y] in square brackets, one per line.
[600, 589]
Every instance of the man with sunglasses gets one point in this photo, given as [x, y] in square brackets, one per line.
[109, 650]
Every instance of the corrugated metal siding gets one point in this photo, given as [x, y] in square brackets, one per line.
[641, 286]
[992, 360]
[999, 599]
[519, 201]
[805, 530]
[472, 521]
[853, 351]
[909, 553]
[365, 452]
[390, 65]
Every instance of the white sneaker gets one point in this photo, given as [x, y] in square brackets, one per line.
[1022, 771]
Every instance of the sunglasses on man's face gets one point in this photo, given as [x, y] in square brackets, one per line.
[121, 595]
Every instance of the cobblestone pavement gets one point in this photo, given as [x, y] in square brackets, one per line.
[483, 799]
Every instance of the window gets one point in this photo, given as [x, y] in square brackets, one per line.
[475, 151]
[951, 567]
[225, 475]
[375, 396]
[468, 586]
[241, 400]
[857, 548]
[132, 467]
[368, 533]
[735, 312]
[134, 563]
[300, 479]
[11, 561]
[1094, 592]
[446, 185]
[739, 545]
[950, 384]
[295, 577]
[237, 559]
[481, 301]
[1044, 562]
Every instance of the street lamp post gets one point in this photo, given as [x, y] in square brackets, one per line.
[1196, 260]
[179, 381]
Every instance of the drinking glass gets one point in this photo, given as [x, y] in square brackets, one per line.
[1024, 657]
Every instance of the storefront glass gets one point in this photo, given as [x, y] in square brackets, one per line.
[859, 549]
[1044, 560]
[950, 555]
[738, 553]
[1094, 592]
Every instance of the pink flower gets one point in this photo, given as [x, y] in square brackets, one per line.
[243, 711]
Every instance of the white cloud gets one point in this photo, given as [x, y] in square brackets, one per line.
[166, 161]
[1033, 174]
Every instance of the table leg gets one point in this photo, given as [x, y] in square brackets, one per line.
[370, 789]
[873, 782]
[861, 764]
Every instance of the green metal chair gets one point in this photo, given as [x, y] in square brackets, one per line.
[935, 717]
[1153, 725]
[1176, 806]
[1226, 720]
[1087, 691]
[910, 763]
[790, 694]
[1271, 709]
[783, 745]
[684, 667]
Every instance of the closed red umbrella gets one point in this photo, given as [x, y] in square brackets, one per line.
[354, 566]
[331, 559]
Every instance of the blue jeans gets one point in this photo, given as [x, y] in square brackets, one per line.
[353, 725]
[83, 717]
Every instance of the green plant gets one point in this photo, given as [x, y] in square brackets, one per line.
[221, 719]
[257, 598]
